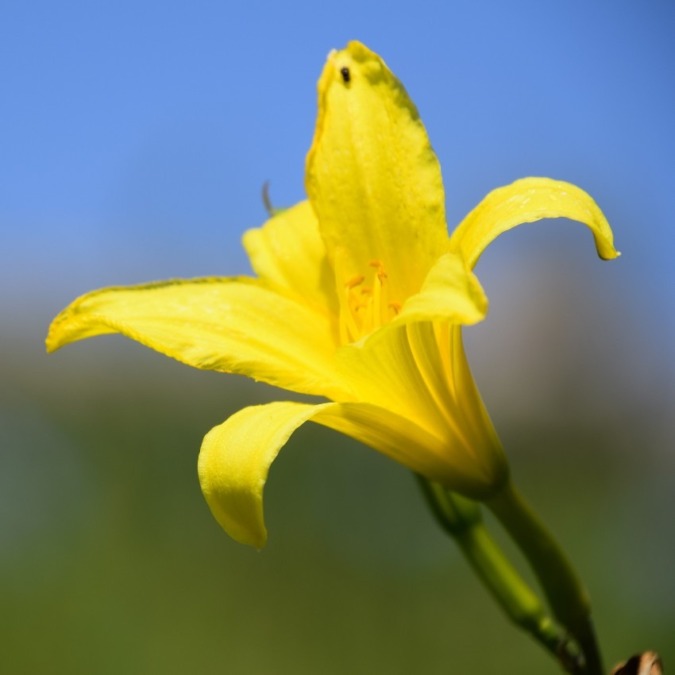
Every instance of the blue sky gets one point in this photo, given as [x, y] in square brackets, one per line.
[136, 136]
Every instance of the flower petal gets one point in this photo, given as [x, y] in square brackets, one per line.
[450, 292]
[408, 370]
[289, 254]
[234, 461]
[230, 325]
[401, 439]
[471, 411]
[525, 201]
[236, 455]
[372, 177]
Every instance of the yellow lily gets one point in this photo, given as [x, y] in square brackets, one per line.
[359, 296]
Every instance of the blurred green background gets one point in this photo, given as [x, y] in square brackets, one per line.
[111, 562]
[135, 142]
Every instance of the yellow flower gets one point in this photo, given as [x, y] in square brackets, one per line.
[359, 296]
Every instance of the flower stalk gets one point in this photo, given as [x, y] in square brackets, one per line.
[461, 518]
[564, 591]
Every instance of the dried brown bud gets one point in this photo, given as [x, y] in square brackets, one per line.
[647, 663]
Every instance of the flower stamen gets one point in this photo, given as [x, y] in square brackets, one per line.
[355, 281]
[366, 304]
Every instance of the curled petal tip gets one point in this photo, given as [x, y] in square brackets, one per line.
[613, 255]
[525, 201]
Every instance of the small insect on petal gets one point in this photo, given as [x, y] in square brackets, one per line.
[346, 75]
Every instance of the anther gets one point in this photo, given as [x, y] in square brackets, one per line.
[355, 281]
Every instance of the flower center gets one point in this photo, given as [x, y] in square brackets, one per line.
[365, 303]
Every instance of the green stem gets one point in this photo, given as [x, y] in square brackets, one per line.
[567, 597]
[461, 519]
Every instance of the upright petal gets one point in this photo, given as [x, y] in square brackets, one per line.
[289, 254]
[372, 176]
[230, 325]
[526, 201]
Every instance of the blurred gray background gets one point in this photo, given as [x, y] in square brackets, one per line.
[134, 141]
